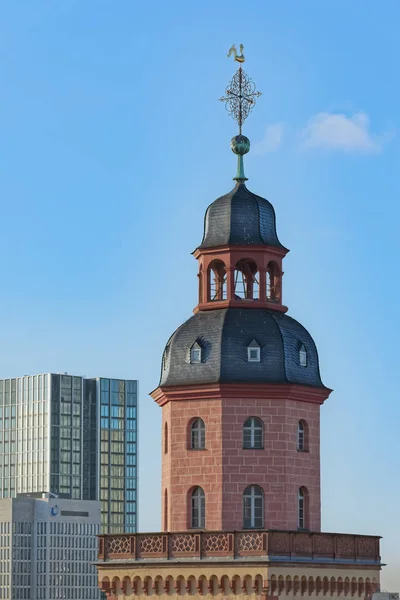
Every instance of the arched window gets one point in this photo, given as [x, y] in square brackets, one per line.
[217, 285]
[253, 433]
[253, 507]
[166, 438]
[198, 509]
[195, 353]
[273, 280]
[302, 508]
[247, 282]
[302, 436]
[197, 435]
[303, 356]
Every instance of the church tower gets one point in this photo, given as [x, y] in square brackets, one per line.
[240, 393]
[240, 386]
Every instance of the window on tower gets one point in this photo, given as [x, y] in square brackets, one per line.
[253, 352]
[302, 508]
[198, 509]
[253, 433]
[197, 435]
[253, 507]
[195, 353]
[303, 356]
[302, 436]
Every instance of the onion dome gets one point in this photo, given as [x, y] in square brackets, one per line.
[236, 345]
[240, 218]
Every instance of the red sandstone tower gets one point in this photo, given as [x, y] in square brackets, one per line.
[240, 387]
[240, 392]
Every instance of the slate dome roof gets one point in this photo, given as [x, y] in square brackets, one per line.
[240, 218]
[224, 336]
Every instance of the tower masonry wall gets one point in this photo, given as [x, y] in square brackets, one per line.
[224, 468]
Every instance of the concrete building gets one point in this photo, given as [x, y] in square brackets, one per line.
[240, 393]
[73, 437]
[47, 547]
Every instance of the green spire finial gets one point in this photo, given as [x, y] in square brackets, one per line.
[240, 98]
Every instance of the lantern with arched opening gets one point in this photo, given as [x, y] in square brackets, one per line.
[247, 280]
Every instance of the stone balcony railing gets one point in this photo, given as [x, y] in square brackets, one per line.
[272, 545]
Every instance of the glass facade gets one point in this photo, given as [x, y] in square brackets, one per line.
[74, 437]
[118, 455]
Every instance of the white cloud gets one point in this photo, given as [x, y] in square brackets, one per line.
[340, 132]
[272, 139]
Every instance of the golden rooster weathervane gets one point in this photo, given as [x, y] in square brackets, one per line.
[238, 57]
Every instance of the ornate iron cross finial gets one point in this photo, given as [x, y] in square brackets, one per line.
[240, 95]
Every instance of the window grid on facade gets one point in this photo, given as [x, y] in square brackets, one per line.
[198, 509]
[300, 437]
[198, 435]
[50, 442]
[301, 509]
[253, 507]
[253, 433]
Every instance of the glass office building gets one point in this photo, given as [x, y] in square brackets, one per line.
[73, 437]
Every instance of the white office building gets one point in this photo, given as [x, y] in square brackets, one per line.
[47, 548]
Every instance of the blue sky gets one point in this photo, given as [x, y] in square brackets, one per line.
[112, 145]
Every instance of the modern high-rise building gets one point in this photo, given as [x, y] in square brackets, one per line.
[73, 437]
[47, 549]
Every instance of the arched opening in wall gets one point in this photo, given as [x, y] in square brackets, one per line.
[197, 439]
[288, 585]
[311, 586]
[165, 510]
[253, 507]
[191, 586]
[159, 586]
[302, 508]
[303, 585]
[198, 509]
[236, 585]
[273, 282]
[346, 586]
[318, 586]
[281, 585]
[225, 585]
[169, 585]
[302, 436]
[247, 280]
[202, 585]
[200, 276]
[214, 585]
[217, 284]
[165, 438]
[340, 586]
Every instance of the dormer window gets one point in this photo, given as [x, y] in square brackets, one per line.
[303, 356]
[253, 352]
[195, 353]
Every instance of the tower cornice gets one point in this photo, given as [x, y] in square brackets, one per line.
[163, 394]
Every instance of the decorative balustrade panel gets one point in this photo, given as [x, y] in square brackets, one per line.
[239, 544]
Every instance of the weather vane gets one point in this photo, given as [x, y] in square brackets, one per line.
[240, 95]
[240, 98]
